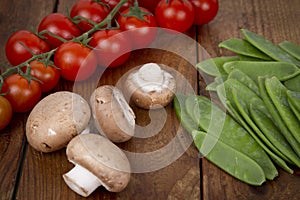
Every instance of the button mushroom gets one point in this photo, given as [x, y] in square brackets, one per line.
[112, 115]
[150, 86]
[56, 119]
[97, 162]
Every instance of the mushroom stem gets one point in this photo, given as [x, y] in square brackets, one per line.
[81, 181]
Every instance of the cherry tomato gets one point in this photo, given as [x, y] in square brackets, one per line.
[175, 15]
[76, 61]
[22, 94]
[48, 75]
[150, 5]
[5, 112]
[142, 31]
[17, 44]
[205, 10]
[113, 3]
[90, 10]
[59, 25]
[112, 47]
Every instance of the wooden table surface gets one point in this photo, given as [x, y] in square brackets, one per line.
[28, 174]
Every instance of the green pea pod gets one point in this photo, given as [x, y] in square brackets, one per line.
[218, 80]
[294, 109]
[269, 48]
[240, 114]
[291, 48]
[245, 79]
[214, 66]
[294, 97]
[230, 160]
[293, 83]
[276, 117]
[243, 47]
[270, 130]
[274, 157]
[277, 93]
[241, 99]
[247, 58]
[211, 119]
[183, 116]
[254, 69]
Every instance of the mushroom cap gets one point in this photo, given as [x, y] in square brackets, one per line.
[152, 99]
[113, 116]
[102, 158]
[56, 119]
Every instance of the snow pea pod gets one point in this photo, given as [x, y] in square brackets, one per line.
[218, 80]
[247, 58]
[243, 47]
[253, 69]
[294, 97]
[293, 83]
[230, 160]
[277, 93]
[183, 116]
[274, 157]
[268, 47]
[270, 130]
[276, 117]
[291, 48]
[214, 66]
[240, 119]
[245, 79]
[209, 116]
[242, 97]
[294, 109]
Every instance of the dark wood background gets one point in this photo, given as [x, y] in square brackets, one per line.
[28, 174]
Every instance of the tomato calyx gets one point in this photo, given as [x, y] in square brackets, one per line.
[136, 11]
[45, 57]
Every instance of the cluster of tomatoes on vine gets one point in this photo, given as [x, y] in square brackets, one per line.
[96, 33]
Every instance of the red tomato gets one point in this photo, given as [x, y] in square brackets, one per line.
[15, 51]
[59, 25]
[112, 47]
[22, 94]
[176, 15]
[90, 10]
[150, 5]
[142, 31]
[5, 112]
[205, 10]
[113, 3]
[48, 75]
[76, 62]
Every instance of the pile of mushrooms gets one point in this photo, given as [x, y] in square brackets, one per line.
[62, 119]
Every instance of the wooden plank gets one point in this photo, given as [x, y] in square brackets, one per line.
[277, 21]
[15, 15]
[179, 179]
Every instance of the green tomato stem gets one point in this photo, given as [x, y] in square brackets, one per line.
[46, 56]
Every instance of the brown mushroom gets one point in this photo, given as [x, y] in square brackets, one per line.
[56, 119]
[113, 116]
[97, 162]
[150, 86]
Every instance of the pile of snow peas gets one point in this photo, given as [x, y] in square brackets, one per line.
[259, 87]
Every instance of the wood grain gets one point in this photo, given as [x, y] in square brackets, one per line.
[15, 15]
[277, 21]
[28, 174]
[42, 173]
